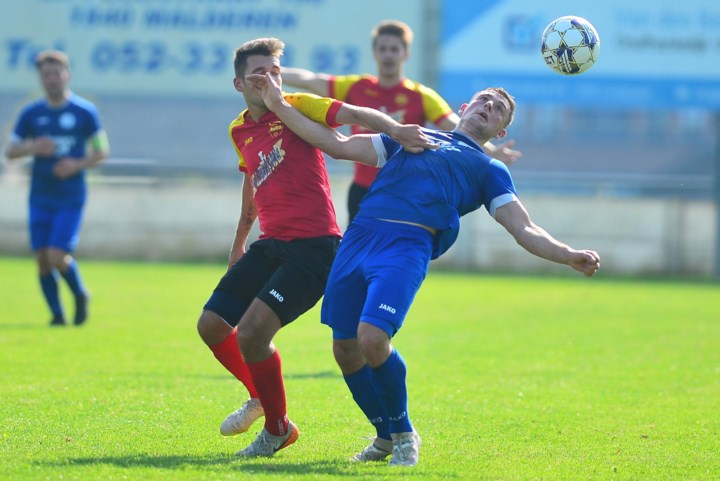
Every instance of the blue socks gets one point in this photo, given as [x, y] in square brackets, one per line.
[389, 378]
[73, 279]
[367, 397]
[50, 291]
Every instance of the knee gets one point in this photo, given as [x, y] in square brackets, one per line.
[58, 259]
[375, 345]
[212, 329]
[348, 355]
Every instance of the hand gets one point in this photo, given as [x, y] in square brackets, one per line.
[587, 262]
[44, 146]
[67, 167]
[503, 152]
[268, 89]
[412, 138]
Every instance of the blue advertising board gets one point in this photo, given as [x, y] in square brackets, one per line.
[654, 53]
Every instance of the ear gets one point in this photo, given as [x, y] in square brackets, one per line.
[238, 83]
[462, 109]
[501, 134]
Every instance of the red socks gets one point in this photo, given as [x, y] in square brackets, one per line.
[267, 376]
[228, 353]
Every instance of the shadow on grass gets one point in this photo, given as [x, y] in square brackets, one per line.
[313, 375]
[250, 466]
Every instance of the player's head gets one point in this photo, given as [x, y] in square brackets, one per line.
[488, 114]
[54, 69]
[391, 41]
[258, 56]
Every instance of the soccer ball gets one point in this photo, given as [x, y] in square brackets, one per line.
[570, 45]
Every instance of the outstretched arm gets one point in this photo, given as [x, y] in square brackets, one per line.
[317, 83]
[358, 148]
[536, 240]
[503, 152]
[410, 136]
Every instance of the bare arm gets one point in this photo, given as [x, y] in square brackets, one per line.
[503, 152]
[41, 146]
[98, 150]
[410, 136]
[248, 214]
[358, 148]
[317, 83]
[536, 240]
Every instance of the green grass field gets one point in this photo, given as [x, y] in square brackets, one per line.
[511, 378]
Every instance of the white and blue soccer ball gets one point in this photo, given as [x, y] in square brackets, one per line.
[570, 45]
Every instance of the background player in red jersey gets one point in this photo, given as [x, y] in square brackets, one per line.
[283, 274]
[404, 100]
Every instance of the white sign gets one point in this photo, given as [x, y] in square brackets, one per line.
[171, 47]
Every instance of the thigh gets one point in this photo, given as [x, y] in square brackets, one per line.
[40, 226]
[347, 287]
[394, 276]
[241, 284]
[65, 231]
[299, 281]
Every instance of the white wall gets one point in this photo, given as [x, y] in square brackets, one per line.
[196, 221]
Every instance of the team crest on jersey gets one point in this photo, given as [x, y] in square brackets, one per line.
[276, 128]
[67, 121]
[401, 99]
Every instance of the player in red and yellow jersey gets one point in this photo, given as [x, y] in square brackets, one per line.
[404, 100]
[283, 273]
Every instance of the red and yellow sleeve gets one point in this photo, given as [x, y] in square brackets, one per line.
[435, 107]
[320, 109]
[234, 125]
[340, 85]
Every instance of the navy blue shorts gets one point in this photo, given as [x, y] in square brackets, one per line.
[289, 276]
[377, 272]
[54, 227]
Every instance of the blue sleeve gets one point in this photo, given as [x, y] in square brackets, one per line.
[95, 125]
[499, 187]
[392, 146]
[23, 126]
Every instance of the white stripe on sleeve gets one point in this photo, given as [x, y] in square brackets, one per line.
[379, 149]
[500, 201]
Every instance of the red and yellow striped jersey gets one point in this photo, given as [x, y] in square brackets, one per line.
[407, 102]
[289, 178]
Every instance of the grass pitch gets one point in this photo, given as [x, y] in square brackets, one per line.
[510, 378]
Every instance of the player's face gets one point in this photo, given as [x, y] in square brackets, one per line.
[258, 64]
[54, 77]
[486, 115]
[390, 55]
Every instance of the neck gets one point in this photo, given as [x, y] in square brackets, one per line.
[257, 112]
[59, 99]
[477, 139]
[389, 80]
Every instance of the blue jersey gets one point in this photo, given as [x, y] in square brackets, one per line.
[70, 127]
[437, 187]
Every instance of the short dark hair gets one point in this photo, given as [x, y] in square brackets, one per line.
[52, 56]
[393, 27]
[260, 46]
[506, 95]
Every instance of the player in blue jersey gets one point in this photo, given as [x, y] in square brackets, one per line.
[410, 215]
[63, 134]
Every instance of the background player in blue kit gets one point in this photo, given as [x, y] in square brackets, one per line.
[63, 134]
[410, 215]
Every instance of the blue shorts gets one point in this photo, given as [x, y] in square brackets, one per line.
[55, 227]
[377, 272]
